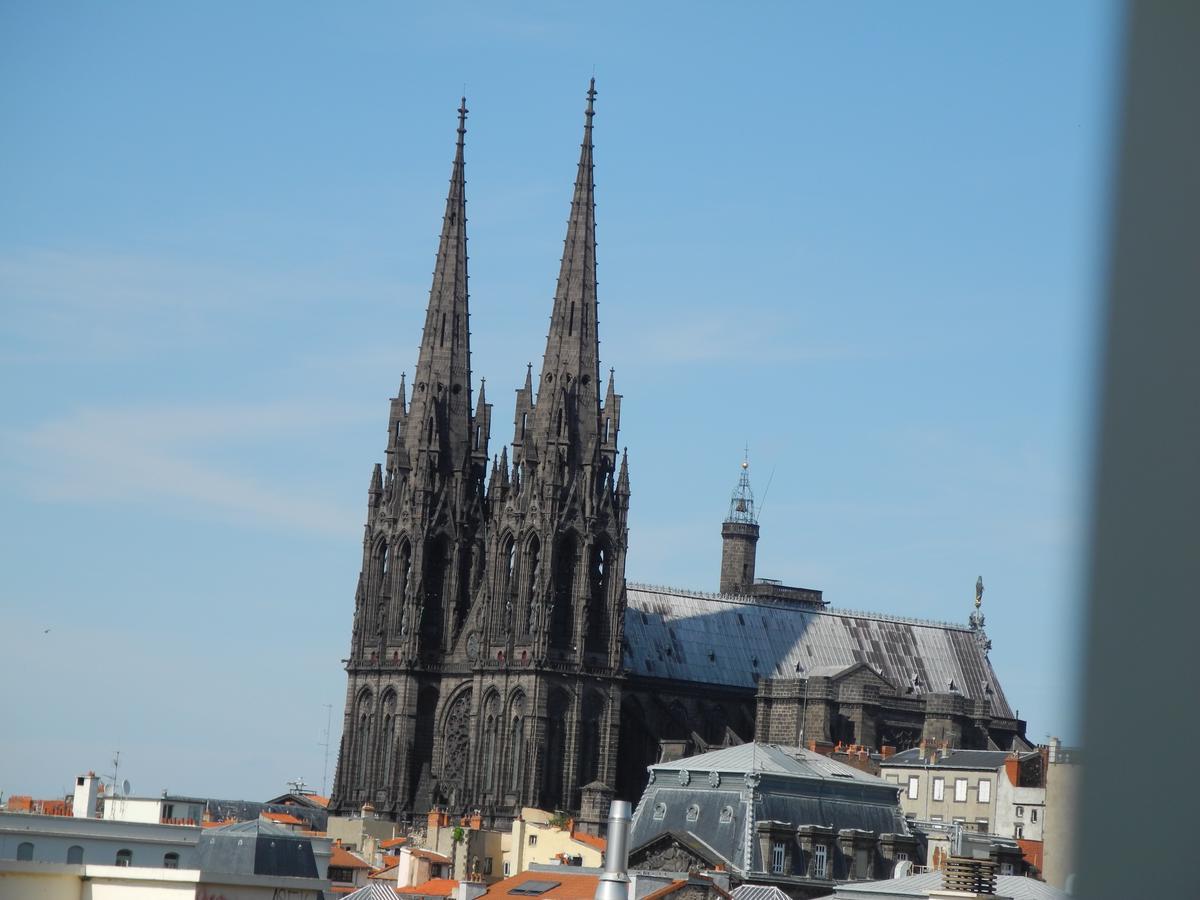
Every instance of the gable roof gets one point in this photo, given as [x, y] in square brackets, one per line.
[732, 641]
[342, 858]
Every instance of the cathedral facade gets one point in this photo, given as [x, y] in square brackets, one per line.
[499, 660]
[485, 662]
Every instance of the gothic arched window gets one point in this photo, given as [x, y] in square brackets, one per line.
[516, 744]
[437, 568]
[562, 619]
[363, 738]
[533, 572]
[554, 766]
[456, 741]
[491, 724]
[595, 639]
[387, 740]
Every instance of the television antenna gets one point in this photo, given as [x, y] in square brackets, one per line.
[325, 744]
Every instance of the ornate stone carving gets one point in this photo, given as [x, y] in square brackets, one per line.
[457, 739]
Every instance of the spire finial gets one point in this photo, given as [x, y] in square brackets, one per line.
[591, 95]
[462, 122]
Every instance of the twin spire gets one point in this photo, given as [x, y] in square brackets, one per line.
[440, 415]
[439, 420]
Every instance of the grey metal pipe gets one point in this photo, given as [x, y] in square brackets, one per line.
[614, 883]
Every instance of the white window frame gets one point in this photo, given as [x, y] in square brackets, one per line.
[1033, 816]
[1020, 812]
[960, 790]
[778, 857]
[914, 786]
[820, 861]
[985, 790]
[939, 788]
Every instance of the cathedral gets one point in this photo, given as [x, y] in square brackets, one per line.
[498, 657]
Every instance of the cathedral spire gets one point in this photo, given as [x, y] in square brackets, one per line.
[440, 409]
[571, 365]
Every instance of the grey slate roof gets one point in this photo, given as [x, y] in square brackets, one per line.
[1014, 886]
[256, 848]
[712, 801]
[727, 640]
[769, 759]
[955, 759]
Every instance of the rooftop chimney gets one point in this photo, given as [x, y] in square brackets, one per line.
[83, 806]
[614, 883]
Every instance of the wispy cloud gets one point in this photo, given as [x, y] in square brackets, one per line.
[158, 455]
[742, 335]
[91, 305]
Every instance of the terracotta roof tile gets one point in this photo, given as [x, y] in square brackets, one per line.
[434, 887]
[344, 859]
[591, 840]
[281, 818]
[570, 886]
[393, 842]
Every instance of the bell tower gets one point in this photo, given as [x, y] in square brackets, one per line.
[739, 537]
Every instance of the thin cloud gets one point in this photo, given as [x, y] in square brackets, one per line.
[744, 337]
[156, 456]
[90, 305]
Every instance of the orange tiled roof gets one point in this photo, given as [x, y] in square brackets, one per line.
[434, 887]
[344, 859]
[393, 842]
[431, 856]
[591, 840]
[318, 799]
[571, 885]
[282, 818]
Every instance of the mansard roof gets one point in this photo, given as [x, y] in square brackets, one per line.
[770, 759]
[735, 641]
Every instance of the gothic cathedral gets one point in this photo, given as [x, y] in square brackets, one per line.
[486, 657]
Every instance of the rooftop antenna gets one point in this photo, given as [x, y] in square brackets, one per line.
[325, 744]
[116, 772]
[763, 502]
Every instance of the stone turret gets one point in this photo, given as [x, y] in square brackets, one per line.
[739, 538]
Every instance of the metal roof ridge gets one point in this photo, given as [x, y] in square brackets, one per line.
[747, 600]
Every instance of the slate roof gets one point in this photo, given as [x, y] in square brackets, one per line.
[1014, 886]
[728, 640]
[770, 759]
[955, 759]
[257, 847]
[712, 809]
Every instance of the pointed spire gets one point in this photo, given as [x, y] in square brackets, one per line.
[623, 478]
[442, 384]
[402, 394]
[572, 359]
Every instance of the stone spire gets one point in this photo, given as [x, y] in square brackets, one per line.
[439, 415]
[568, 399]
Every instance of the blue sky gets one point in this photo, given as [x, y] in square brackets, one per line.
[865, 239]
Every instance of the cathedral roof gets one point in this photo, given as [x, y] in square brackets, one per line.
[736, 641]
